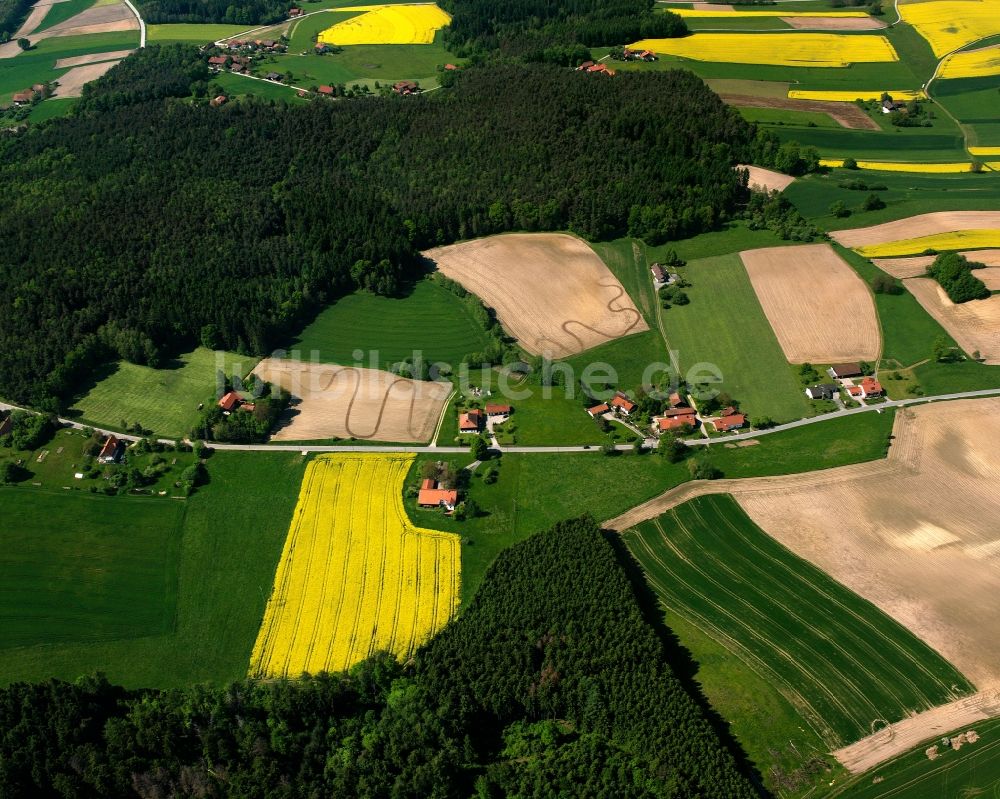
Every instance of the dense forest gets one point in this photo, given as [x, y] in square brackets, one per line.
[547, 30]
[551, 683]
[142, 222]
[12, 14]
[244, 12]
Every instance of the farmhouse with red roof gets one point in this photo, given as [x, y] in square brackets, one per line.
[431, 496]
[733, 421]
[870, 387]
[470, 422]
[111, 451]
[230, 401]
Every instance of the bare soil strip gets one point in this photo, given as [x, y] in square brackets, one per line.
[818, 307]
[846, 115]
[93, 58]
[349, 402]
[915, 226]
[916, 266]
[915, 534]
[549, 290]
[975, 325]
[904, 735]
[766, 179]
[71, 84]
[835, 23]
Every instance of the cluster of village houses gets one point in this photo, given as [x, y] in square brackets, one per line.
[844, 375]
[678, 416]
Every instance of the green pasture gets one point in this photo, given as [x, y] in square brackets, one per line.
[839, 661]
[238, 85]
[942, 142]
[191, 33]
[780, 117]
[217, 552]
[974, 102]
[429, 319]
[79, 568]
[535, 491]
[164, 400]
[972, 771]
[724, 325]
[737, 24]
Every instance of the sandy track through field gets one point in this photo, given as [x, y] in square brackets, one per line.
[916, 226]
[910, 732]
[350, 402]
[549, 290]
[834, 23]
[818, 307]
[975, 325]
[766, 179]
[93, 58]
[915, 533]
[846, 115]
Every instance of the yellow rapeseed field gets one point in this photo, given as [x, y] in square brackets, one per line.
[985, 150]
[380, 24]
[855, 94]
[950, 168]
[980, 63]
[781, 49]
[957, 240]
[950, 24]
[774, 11]
[355, 575]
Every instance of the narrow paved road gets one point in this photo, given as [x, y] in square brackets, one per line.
[142, 24]
[696, 442]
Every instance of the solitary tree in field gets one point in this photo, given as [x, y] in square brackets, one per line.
[24, 44]
[941, 349]
[480, 449]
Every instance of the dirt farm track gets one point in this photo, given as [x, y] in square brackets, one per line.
[348, 402]
[818, 307]
[913, 533]
[549, 290]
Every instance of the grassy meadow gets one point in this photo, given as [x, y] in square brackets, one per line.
[837, 660]
[163, 400]
[211, 558]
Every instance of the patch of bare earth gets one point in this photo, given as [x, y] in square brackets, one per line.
[92, 58]
[766, 179]
[71, 84]
[916, 266]
[975, 325]
[349, 402]
[38, 11]
[915, 226]
[909, 733]
[818, 307]
[549, 290]
[846, 115]
[917, 534]
[834, 23]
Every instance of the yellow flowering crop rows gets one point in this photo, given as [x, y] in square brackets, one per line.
[957, 240]
[985, 150]
[355, 575]
[855, 94]
[780, 49]
[950, 24]
[380, 24]
[773, 11]
[950, 168]
[980, 63]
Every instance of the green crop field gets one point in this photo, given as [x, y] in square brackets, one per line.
[304, 31]
[239, 85]
[162, 593]
[79, 568]
[943, 142]
[535, 491]
[781, 117]
[191, 33]
[972, 771]
[724, 325]
[162, 400]
[838, 660]
[430, 319]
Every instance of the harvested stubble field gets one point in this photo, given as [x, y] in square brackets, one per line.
[916, 266]
[352, 402]
[776, 49]
[71, 84]
[766, 179]
[549, 290]
[844, 114]
[915, 534]
[819, 308]
[831, 23]
[96, 19]
[937, 222]
[975, 325]
[355, 577]
[839, 661]
[387, 24]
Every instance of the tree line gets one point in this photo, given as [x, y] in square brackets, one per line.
[551, 682]
[147, 223]
[12, 14]
[244, 12]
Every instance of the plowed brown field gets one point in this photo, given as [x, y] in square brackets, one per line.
[975, 325]
[766, 179]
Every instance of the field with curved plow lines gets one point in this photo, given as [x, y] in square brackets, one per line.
[840, 662]
[355, 577]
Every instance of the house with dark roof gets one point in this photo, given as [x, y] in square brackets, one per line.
[406, 87]
[6, 423]
[658, 272]
[841, 370]
[822, 391]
